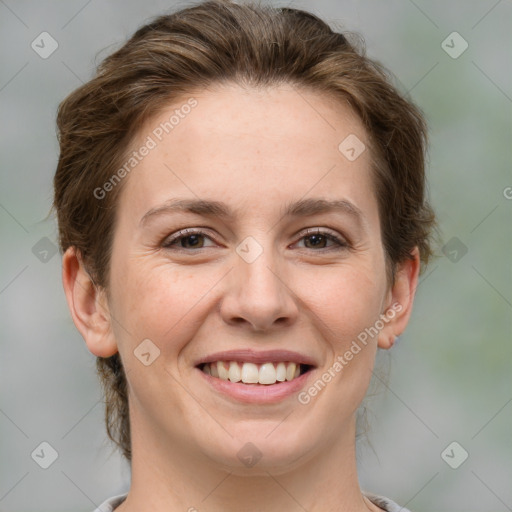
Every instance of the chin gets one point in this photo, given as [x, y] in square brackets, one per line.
[256, 450]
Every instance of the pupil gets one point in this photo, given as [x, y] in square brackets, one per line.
[194, 239]
[315, 240]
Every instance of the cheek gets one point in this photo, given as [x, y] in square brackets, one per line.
[161, 302]
[347, 308]
[347, 300]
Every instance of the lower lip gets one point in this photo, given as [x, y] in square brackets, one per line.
[258, 393]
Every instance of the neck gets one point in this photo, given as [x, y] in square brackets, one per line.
[175, 476]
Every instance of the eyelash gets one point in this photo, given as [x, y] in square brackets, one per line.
[342, 243]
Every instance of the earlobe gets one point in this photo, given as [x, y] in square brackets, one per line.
[88, 306]
[400, 300]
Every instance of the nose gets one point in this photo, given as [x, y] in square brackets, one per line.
[258, 295]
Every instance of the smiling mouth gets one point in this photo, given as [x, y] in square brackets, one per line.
[251, 373]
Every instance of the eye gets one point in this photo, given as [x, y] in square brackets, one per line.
[318, 239]
[187, 239]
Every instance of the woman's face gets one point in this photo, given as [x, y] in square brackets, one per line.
[279, 276]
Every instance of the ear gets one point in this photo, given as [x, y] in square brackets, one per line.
[399, 301]
[88, 305]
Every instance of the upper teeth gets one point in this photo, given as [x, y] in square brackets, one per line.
[250, 373]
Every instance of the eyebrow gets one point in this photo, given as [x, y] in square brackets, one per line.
[301, 208]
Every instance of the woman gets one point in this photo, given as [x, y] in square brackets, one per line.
[240, 197]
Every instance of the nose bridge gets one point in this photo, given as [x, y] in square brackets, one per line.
[257, 292]
[261, 275]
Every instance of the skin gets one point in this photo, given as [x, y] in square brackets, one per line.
[256, 151]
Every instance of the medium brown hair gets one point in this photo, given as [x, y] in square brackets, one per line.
[223, 42]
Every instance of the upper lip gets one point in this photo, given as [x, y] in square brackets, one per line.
[254, 356]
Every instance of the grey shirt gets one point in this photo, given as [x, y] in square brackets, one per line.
[384, 503]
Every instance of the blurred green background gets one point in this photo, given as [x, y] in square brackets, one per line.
[450, 376]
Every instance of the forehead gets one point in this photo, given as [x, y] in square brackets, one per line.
[251, 147]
